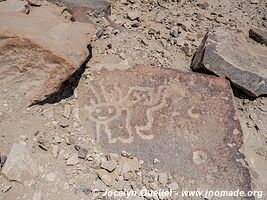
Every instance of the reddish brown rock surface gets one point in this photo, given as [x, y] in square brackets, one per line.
[40, 50]
[186, 121]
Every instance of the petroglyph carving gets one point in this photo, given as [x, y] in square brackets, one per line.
[124, 114]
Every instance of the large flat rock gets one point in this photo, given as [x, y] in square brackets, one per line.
[185, 120]
[40, 50]
[228, 53]
[20, 166]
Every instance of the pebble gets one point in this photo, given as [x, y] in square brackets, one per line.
[82, 153]
[73, 160]
[254, 1]
[99, 33]
[175, 31]
[55, 151]
[173, 186]
[67, 111]
[199, 157]
[107, 178]
[51, 177]
[163, 178]
[109, 165]
[37, 195]
[133, 15]
[3, 159]
[6, 188]
[84, 189]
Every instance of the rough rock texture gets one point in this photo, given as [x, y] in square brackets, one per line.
[184, 120]
[229, 54]
[20, 165]
[81, 8]
[259, 35]
[40, 50]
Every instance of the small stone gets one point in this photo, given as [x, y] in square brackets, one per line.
[203, 5]
[73, 160]
[163, 178]
[133, 15]
[254, 1]
[173, 186]
[67, 111]
[99, 186]
[128, 176]
[129, 165]
[108, 178]
[175, 31]
[3, 159]
[37, 195]
[64, 122]
[155, 161]
[82, 153]
[69, 140]
[109, 165]
[199, 157]
[20, 166]
[50, 177]
[99, 33]
[253, 116]
[6, 188]
[55, 150]
[84, 189]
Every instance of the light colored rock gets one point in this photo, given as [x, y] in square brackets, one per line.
[48, 48]
[108, 178]
[15, 6]
[6, 188]
[163, 178]
[173, 186]
[37, 195]
[199, 157]
[73, 160]
[109, 165]
[133, 15]
[129, 165]
[20, 165]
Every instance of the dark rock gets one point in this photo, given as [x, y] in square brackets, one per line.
[3, 159]
[258, 35]
[227, 53]
[85, 190]
[82, 153]
[99, 33]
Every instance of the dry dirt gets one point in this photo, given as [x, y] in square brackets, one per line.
[156, 33]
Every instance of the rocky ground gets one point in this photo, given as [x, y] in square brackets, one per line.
[154, 33]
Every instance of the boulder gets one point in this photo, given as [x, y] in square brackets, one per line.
[20, 165]
[40, 50]
[184, 120]
[229, 54]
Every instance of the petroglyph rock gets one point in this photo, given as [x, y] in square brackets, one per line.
[39, 51]
[169, 115]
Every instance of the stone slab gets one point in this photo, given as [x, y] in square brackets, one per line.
[185, 120]
[229, 54]
[40, 50]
